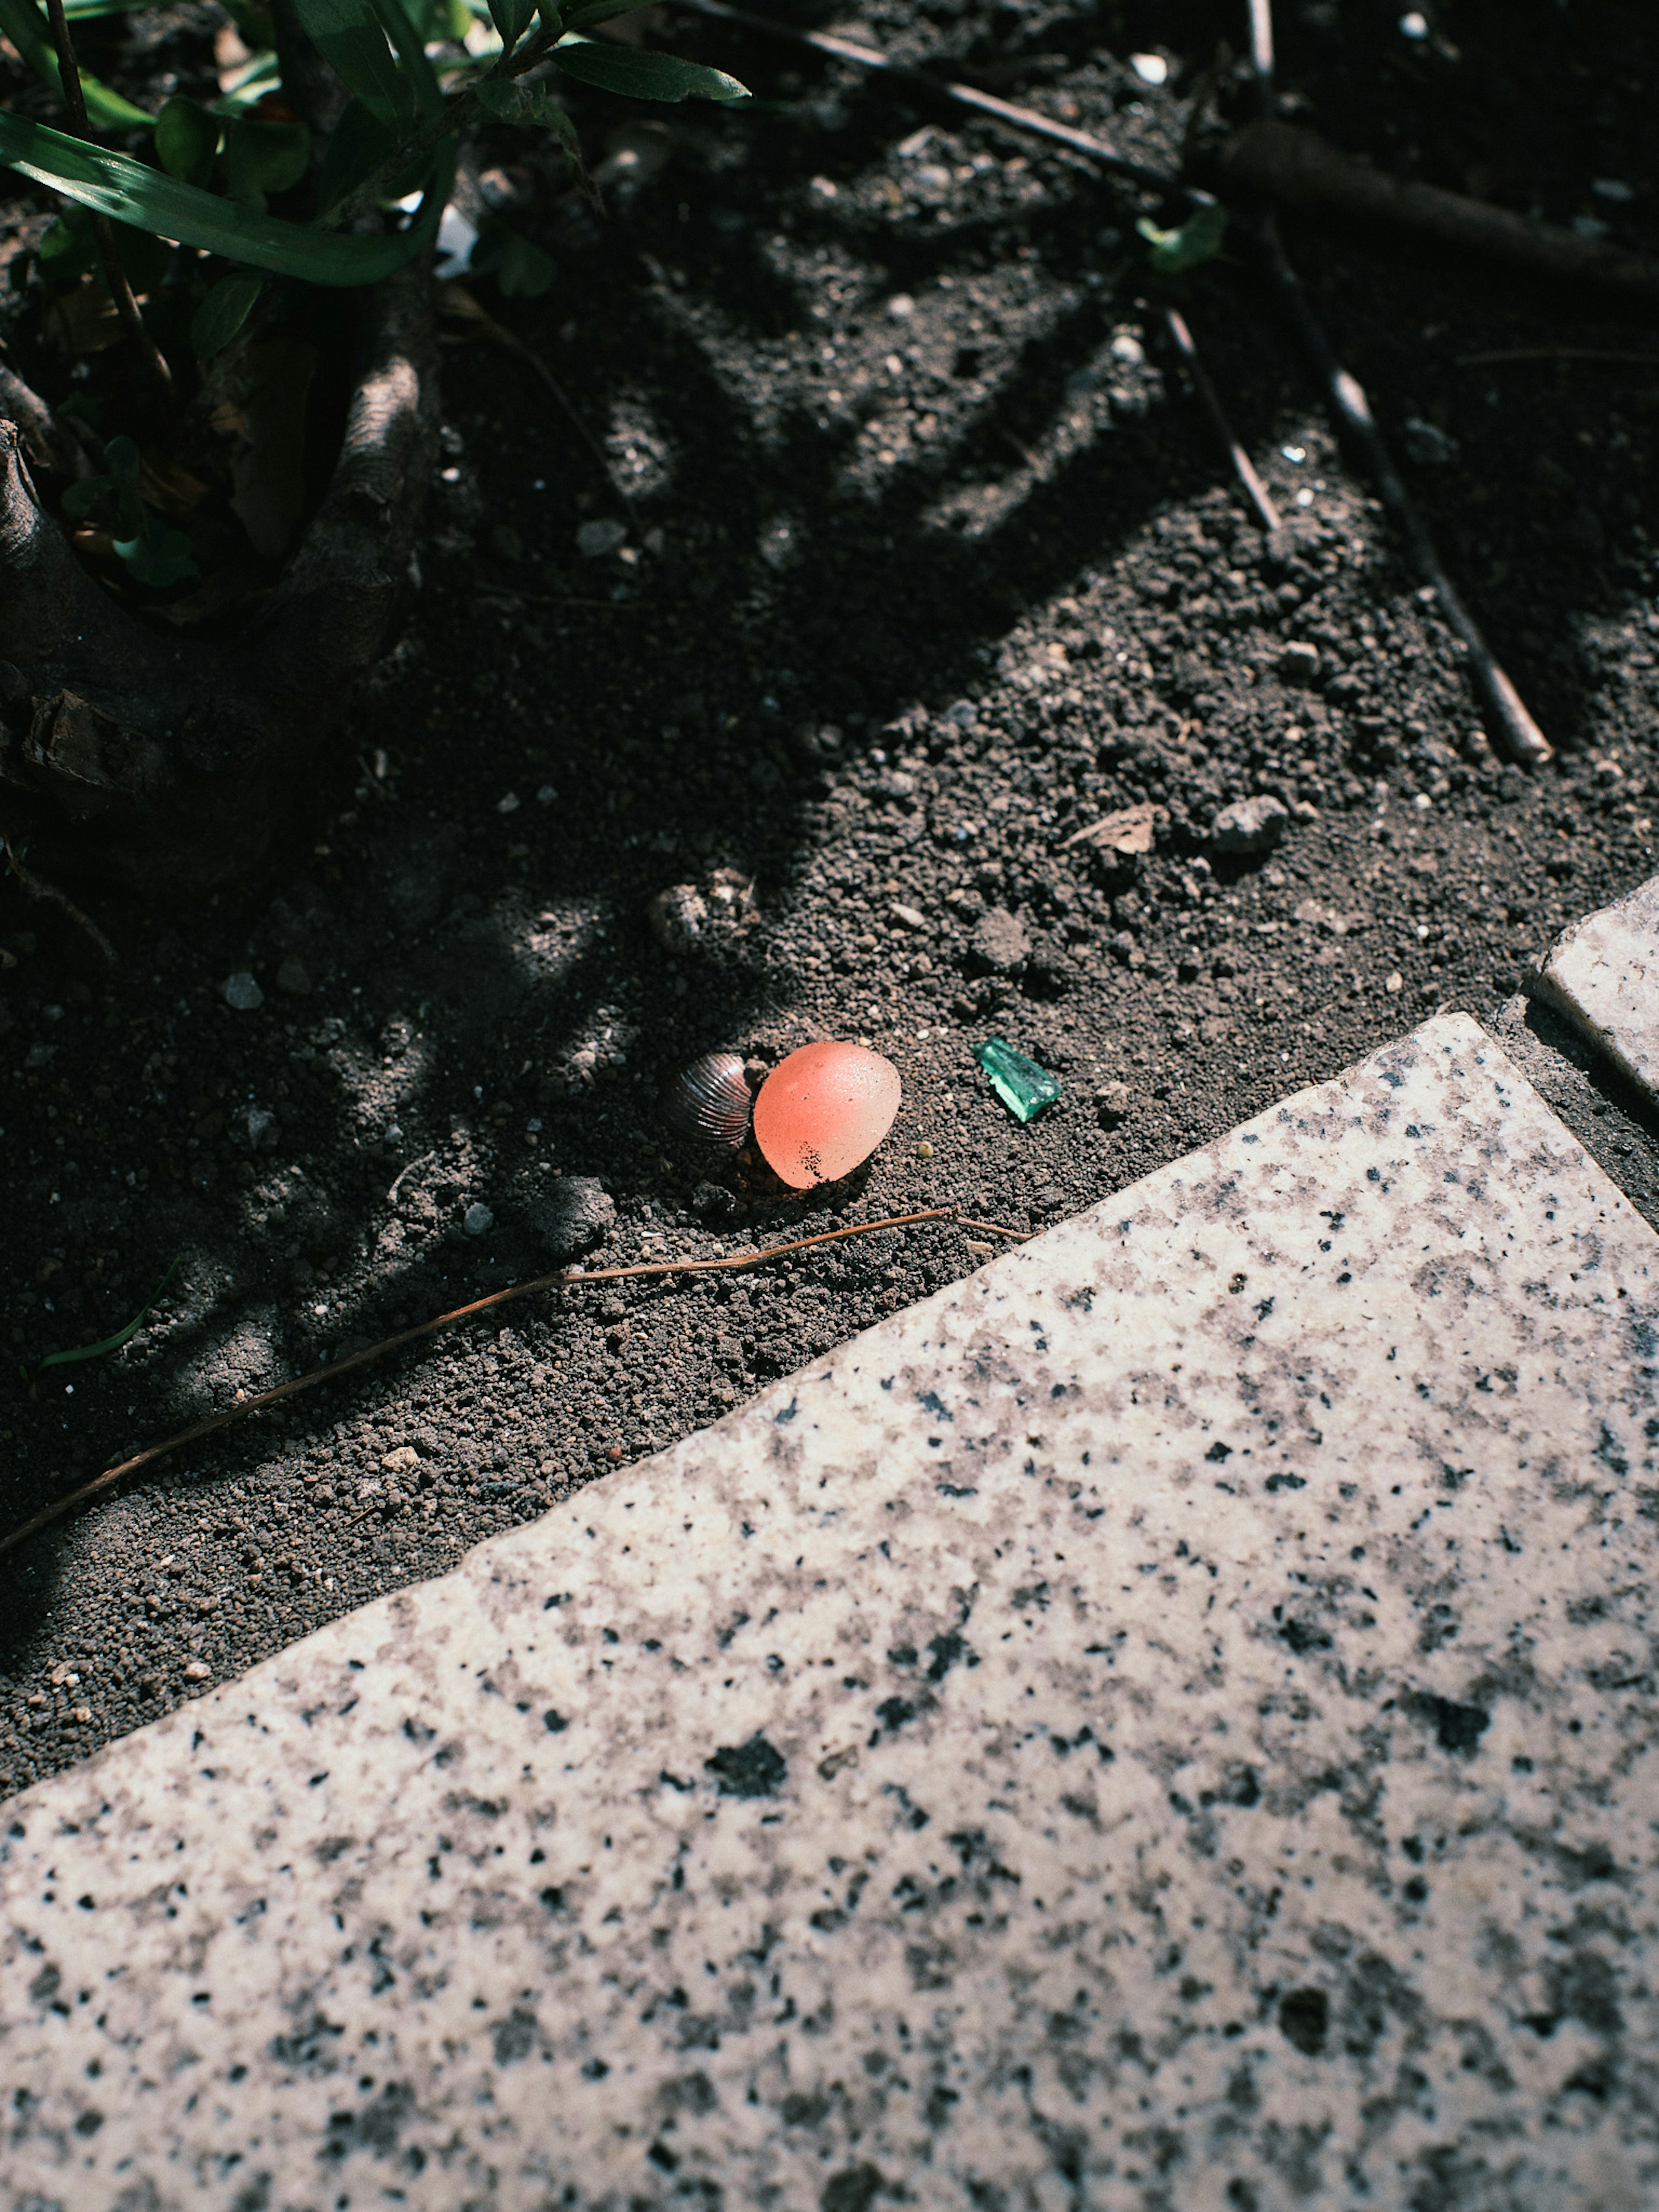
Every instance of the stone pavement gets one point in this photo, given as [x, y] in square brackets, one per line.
[1167, 1722]
[1603, 973]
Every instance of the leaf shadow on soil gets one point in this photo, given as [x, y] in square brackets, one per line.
[423, 906]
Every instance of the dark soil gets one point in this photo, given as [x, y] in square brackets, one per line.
[929, 562]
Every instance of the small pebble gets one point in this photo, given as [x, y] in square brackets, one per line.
[477, 1218]
[197, 1671]
[292, 978]
[677, 918]
[577, 1212]
[242, 994]
[909, 916]
[1249, 825]
[998, 945]
[595, 539]
[1394, 983]
[1111, 1102]
[924, 1150]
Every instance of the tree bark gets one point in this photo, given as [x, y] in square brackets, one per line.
[1293, 166]
[170, 767]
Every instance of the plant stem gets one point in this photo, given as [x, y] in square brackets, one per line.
[455, 113]
[103, 230]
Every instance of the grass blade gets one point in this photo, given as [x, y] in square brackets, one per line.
[132, 193]
[110, 1343]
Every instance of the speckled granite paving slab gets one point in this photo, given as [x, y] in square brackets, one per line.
[1168, 1722]
[1603, 973]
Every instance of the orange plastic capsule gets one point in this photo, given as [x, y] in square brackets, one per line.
[822, 1110]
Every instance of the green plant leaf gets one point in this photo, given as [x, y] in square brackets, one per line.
[81, 498]
[132, 193]
[352, 43]
[156, 556]
[260, 74]
[410, 50]
[254, 22]
[581, 17]
[532, 106]
[638, 75]
[144, 257]
[512, 18]
[1199, 240]
[519, 267]
[263, 158]
[110, 1343]
[186, 139]
[68, 249]
[224, 311]
[356, 146]
[24, 25]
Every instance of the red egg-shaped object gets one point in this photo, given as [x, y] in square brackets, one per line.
[822, 1110]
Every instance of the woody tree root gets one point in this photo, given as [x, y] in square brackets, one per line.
[172, 766]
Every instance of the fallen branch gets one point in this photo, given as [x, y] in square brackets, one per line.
[1594, 353]
[964, 95]
[38, 888]
[1521, 737]
[1208, 398]
[1297, 169]
[563, 1279]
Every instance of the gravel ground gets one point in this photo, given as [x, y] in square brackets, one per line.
[926, 564]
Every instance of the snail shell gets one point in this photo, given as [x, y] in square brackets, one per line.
[710, 1101]
[824, 1109]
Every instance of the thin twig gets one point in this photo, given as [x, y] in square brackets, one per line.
[37, 887]
[1557, 353]
[465, 308]
[1261, 56]
[1243, 467]
[564, 1278]
[965, 95]
[392, 1194]
[1345, 395]
[103, 231]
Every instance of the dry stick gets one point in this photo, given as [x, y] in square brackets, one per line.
[562, 1279]
[1261, 55]
[1557, 353]
[965, 96]
[1523, 740]
[481, 318]
[37, 887]
[1209, 399]
[398, 1185]
[103, 231]
[1296, 169]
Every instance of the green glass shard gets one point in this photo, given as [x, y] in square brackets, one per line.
[1024, 1087]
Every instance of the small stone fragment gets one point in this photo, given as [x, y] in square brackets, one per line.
[477, 1218]
[196, 1671]
[1249, 825]
[595, 539]
[1427, 445]
[1111, 1101]
[577, 1213]
[998, 944]
[710, 1202]
[241, 993]
[1024, 1087]
[908, 917]
[1393, 984]
[677, 918]
[292, 978]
